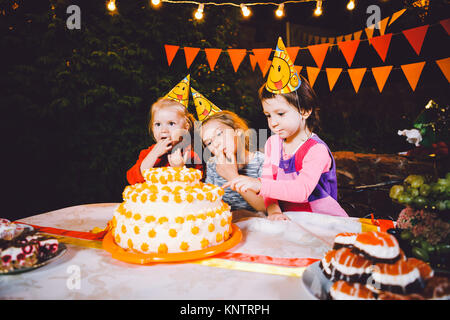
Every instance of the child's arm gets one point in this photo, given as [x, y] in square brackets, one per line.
[315, 162]
[274, 212]
[159, 149]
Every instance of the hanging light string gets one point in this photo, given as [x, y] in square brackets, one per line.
[236, 4]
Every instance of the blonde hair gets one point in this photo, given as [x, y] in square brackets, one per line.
[183, 112]
[232, 120]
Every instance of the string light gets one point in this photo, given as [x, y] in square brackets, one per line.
[351, 5]
[156, 3]
[318, 10]
[199, 13]
[245, 10]
[280, 11]
[112, 5]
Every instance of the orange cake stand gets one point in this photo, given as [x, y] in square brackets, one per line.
[141, 258]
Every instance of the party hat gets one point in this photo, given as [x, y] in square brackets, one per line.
[282, 78]
[204, 107]
[180, 92]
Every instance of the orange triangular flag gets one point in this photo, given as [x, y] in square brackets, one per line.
[298, 69]
[356, 75]
[236, 57]
[381, 45]
[266, 68]
[333, 74]
[292, 52]
[396, 15]
[212, 55]
[415, 37]
[318, 52]
[331, 40]
[262, 55]
[369, 32]
[348, 37]
[339, 39]
[171, 51]
[312, 75]
[382, 25]
[357, 35]
[252, 61]
[381, 74]
[412, 73]
[190, 54]
[446, 25]
[348, 49]
[444, 65]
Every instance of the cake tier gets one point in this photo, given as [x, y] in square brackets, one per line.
[169, 175]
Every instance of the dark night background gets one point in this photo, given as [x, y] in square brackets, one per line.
[75, 102]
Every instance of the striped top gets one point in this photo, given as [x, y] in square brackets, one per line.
[234, 199]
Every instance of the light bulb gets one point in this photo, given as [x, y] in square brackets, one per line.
[351, 5]
[111, 5]
[318, 10]
[156, 2]
[199, 13]
[245, 10]
[280, 11]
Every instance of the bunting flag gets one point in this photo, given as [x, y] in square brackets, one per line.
[382, 25]
[236, 57]
[348, 49]
[381, 74]
[369, 32]
[333, 75]
[318, 52]
[412, 73]
[331, 40]
[357, 35]
[171, 51]
[292, 52]
[356, 76]
[348, 37]
[298, 69]
[252, 61]
[415, 37]
[339, 39]
[266, 68]
[444, 65]
[312, 75]
[190, 54]
[381, 45]
[262, 55]
[396, 15]
[212, 55]
[446, 25]
[316, 39]
[323, 39]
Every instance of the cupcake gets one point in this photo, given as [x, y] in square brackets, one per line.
[325, 264]
[342, 290]
[344, 240]
[401, 277]
[350, 267]
[378, 246]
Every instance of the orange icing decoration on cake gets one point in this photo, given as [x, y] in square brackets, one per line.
[377, 238]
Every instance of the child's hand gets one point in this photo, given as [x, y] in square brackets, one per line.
[244, 183]
[277, 216]
[177, 159]
[162, 147]
[226, 166]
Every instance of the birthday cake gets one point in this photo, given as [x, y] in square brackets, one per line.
[171, 212]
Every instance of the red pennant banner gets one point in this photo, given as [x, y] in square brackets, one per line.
[381, 45]
[190, 54]
[318, 52]
[348, 49]
[212, 55]
[292, 52]
[171, 51]
[252, 61]
[446, 25]
[444, 65]
[236, 57]
[262, 55]
[415, 37]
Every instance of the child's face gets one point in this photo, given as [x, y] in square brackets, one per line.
[218, 137]
[283, 119]
[168, 124]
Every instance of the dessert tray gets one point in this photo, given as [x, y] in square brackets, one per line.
[140, 258]
[315, 282]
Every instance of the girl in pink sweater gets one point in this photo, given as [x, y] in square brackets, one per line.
[299, 172]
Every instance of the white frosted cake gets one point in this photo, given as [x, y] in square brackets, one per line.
[172, 211]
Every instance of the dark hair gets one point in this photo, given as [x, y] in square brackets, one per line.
[304, 99]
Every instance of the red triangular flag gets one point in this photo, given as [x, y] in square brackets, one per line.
[292, 52]
[381, 45]
[298, 69]
[171, 51]
[412, 73]
[212, 55]
[381, 74]
[252, 61]
[190, 54]
[444, 65]
[236, 57]
[312, 75]
[266, 68]
[348, 49]
[356, 75]
[333, 75]
[415, 37]
[262, 55]
[318, 52]
[446, 25]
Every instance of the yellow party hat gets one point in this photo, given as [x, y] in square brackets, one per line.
[282, 78]
[204, 107]
[180, 92]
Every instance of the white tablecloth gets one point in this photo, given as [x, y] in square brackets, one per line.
[87, 273]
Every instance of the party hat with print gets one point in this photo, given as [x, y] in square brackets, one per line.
[282, 78]
[180, 92]
[204, 107]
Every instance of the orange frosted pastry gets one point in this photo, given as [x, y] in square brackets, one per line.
[349, 266]
[342, 290]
